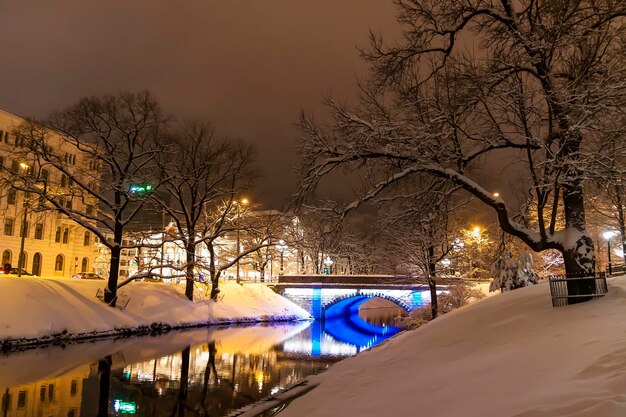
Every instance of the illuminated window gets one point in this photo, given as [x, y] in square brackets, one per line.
[21, 399]
[6, 257]
[8, 227]
[58, 263]
[39, 231]
[37, 264]
[11, 196]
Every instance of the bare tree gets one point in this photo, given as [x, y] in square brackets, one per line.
[417, 224]
[203, 173]
[262, 231]
[316, 236]
[94, 162]
[540, 85]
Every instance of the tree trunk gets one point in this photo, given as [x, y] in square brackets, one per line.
[190, 248]
[578, 256]
[181, 401]
[110, 292]
[104, 376]
[621, 220]
[215, 279]
[432, 282]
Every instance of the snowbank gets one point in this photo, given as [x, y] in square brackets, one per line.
[33, 309]
[508, 355]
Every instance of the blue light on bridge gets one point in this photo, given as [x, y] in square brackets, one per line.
[338, 324]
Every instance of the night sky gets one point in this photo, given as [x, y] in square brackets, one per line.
[248, 66]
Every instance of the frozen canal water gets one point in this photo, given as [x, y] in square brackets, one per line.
[207, 372]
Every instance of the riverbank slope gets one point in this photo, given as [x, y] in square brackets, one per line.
[40, 310]
[508, 355]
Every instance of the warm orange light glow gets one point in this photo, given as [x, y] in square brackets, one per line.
[244, 201]
[476, 231]
[24, 165]
[496, 194]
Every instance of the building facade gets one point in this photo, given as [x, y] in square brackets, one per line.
[53, 244]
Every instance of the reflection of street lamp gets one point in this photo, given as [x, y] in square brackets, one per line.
[245, 202]
[281, 248]
[328, 263]
[607, 236]
[21, 258]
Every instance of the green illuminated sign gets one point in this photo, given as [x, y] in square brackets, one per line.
[124, 407]
[140, 188]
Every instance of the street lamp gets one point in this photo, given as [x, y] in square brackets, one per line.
[607, 236]
[328, 263]
[245, 202]
[281, 247]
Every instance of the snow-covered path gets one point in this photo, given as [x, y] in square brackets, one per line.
[508, 355]
[32, 308]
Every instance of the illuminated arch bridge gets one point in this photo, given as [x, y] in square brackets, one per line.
[327, 303]
[327, 296]
[336, 314]
[334, 302]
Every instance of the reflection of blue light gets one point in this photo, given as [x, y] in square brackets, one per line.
[344, 324]
[316, 338]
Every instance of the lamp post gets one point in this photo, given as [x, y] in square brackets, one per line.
[607, 236]
[20, 258]
[281, 249]
[245, 202]
[328, 263]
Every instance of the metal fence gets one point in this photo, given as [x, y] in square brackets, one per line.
[559, 293]
[617, 269]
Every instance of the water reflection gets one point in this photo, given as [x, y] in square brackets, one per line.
[197, 373]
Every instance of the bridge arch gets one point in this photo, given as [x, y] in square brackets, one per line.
[349, 303]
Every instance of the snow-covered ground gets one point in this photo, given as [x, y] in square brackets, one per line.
[36, 308]
[508, 355]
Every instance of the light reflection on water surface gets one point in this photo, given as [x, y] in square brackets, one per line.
[208, 372]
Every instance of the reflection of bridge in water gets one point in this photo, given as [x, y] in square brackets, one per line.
[334, 301]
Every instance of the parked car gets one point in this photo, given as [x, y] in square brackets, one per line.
[151, 278]
[14, 271]
[86, 275]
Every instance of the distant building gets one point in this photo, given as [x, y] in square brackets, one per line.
[53, 244]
